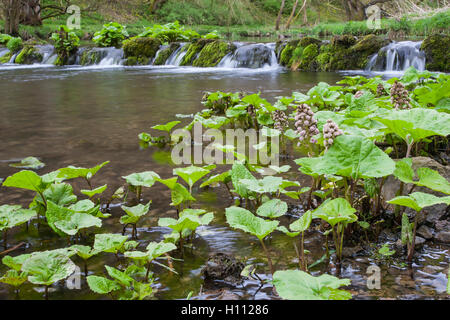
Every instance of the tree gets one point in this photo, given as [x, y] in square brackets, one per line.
[11, 10]
[280, 13]
[356, 9]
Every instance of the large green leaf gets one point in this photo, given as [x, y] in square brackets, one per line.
[12, 216]
[25, 179]
[238, 172]
[272, 209]
[142, 179]
[243, 219]
[419, 200]
[157, 249]
[133, 214]
[109, 242]
[433, 180]
[14, 278]
[302, 224]
[166, 127]
[191, 174]
[102, 285]
[29, 163]
[180, 195]
[72, 172]
[404, 171]
[268, 184]
[418, 123]
[84, 252]
[336, 211]
[355, 157]
[16, 262]
[299, 285]
[77, 221]
[60, 194]
[46, 268]
[93, 192]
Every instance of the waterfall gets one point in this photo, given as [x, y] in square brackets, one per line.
[253, 56]
[48, 54]
[398, 56]
[176, 57]
[3, 51]
[111, 57]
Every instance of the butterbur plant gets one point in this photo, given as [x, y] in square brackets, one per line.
[416, 201]
[240, 218]
[13, 216]
[338, 213]
[132, 217]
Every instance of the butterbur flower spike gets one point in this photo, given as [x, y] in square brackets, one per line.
[330, 132]
[400, 96]
[280, 120]
[305, 124]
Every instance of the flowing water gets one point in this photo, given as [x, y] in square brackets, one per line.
[83, 116]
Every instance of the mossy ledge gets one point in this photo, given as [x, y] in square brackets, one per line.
[213, 53]
[436, 49]
[341, 53]
[28, 55]
[164, 54]
[138, 51]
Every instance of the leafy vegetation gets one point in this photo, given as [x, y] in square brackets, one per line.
[111, 35]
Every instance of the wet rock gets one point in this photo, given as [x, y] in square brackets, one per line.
[193, 50]
[351, 252]
[165, 53]
[436, 51]
[425, 232]
[435, 213]
[221, 294]
[223, 267]
[419, 242]
[442, 225]
[28, 55]
[443, 236]
[140, 50]
[212, 53]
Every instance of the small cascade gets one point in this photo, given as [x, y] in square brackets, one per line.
[112, 57]
[176, 57]
[3, 51]
[398, 56]
[103, 57]
[252, 56]
[48, 54]
[162, 48]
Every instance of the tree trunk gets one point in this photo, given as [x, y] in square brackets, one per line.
[354, 9]
[11, 14]
[294, 8]
[280, 13]
[31, 13]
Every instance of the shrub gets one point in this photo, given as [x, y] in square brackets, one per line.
[111, 35]
[66, 42]
[15, 44]
[4, 38]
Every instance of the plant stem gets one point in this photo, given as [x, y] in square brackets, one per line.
[413, 240]
[148, 271]
[46, 293]
[302, 251]
[5, 239]
[269, 260]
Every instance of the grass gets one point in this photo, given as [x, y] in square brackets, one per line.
[408, 26]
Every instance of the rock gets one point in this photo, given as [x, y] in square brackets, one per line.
[425, 162]
[436, 52]
[28, 55]
[252, 56]
[224, 267]
[221, 294]
[345, 41]
[443, 236]
[140, 50]
[419, 242]
[442, 225]
[6, 58]
[213, 53]
[435, 213]
[351, 251]
[425, 232]
[193, 50]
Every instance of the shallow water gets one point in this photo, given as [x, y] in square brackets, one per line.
[84, 116]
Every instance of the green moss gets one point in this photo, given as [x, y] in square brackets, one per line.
[213, 53]
[59, 61]
[308, 61]
[137, 61]
[306, 41]
[90, 57]
[28, 55]
[165, 54]
[6, 58]
[323, 61]
[436, 52]
[193, 50]
[345, 41]
[140, 50]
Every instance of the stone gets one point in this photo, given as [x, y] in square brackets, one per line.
[28, 55]
[164, 54]
[443, 236]
[212, 53]
[419, 242]
[193, 50]
[425, 232]
[223, 267]
[140, 50]
[442, 225]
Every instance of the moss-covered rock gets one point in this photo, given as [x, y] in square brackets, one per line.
[212, 53]
[356, 56]
[29, 55]
[6, 58]
[308, 61]
[436, 51]
[140, 50]
[345, 41]
[193, 50]
[90, 57]
[287, 52]
[306, 41]
[292, 55]
[164, 54]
